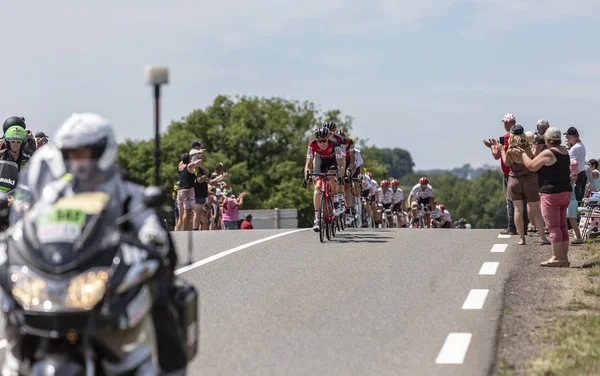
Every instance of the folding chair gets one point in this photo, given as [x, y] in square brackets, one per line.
[590, 214]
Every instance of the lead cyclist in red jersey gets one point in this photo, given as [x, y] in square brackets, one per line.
[327, 157]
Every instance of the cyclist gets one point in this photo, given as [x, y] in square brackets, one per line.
[369, 193]
[437, 215]
[29, 144]
[446, 221]
[398, 199]
[421, 194]
[386, 200]
[327, 157]
[349, 172]
[339, 206]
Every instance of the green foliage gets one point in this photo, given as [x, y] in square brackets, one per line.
[262, 144]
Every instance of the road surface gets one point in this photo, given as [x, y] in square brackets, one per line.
[370, 302]
[377, 302]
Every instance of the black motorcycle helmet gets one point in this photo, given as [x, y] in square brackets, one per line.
[14, 120]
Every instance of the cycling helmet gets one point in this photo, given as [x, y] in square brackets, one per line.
[87, 130]
[14, 120]
[369, 174]
[321, 133]
[332, 126]
[340, 132]
[15, 133]
[395, 183]
[385, 183]
[424, 180]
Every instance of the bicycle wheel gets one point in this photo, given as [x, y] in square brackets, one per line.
[330, 218]
[322, 224]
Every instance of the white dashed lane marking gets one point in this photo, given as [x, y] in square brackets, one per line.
[475, 299]
[454, 349]
[499, 248]
[489, 268]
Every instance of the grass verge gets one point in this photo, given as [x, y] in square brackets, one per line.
[573, 339]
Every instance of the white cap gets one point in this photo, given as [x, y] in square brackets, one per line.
[218, 192]
[508, 118]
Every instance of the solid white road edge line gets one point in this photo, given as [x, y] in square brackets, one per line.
[475, 299]
[233, 250]
[454, 349]
[489, 268]
[499, 247]
[502, 236]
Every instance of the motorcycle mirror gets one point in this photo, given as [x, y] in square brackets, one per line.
[153, 197]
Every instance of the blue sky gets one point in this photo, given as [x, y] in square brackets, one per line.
[433, 77]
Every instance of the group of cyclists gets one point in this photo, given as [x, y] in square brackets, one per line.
[357, 196]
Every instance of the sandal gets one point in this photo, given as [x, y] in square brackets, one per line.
[556, 263]
[545, 243]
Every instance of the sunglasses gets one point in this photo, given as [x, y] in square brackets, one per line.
[16, 142]
[322, 141]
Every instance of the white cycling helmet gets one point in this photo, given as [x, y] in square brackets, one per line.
[83, 130]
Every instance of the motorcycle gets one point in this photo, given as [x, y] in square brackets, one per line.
[9, 177]
[78, 292]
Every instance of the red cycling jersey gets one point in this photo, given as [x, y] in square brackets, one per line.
[331, 151]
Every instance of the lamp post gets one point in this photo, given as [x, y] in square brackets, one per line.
[157, 76]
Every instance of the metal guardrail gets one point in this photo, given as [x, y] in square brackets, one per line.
[272, 218]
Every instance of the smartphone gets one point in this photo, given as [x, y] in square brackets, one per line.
[501, 140]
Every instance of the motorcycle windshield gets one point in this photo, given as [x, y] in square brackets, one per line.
[69, 231]
[9, 176]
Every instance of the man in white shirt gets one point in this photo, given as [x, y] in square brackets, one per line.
[577, 152]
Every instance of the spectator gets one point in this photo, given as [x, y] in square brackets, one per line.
[522, 183]
[509, 120]
[593, 163]
[40, 139]
[231, 214]
[220, 178]
[572, 209]
[542, 125]
[201, 191]
[554, 173]
[577, 152]
[185, 193]
[176, 211]
[247, 223]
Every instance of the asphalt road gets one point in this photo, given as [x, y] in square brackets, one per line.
[370, 302]
[379, 302]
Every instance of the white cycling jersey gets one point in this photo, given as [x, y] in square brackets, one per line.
[374, 187]
[358, 158]
[365, 183]
[422, 194]
[385, 198]
[398, 195]
[437, 213]
[447, 217]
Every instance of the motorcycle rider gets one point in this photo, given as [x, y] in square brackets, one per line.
[30, 145]
[15, 138]
[82, 159]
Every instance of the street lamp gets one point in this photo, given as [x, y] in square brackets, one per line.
[156, 76]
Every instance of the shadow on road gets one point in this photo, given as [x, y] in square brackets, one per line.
[361, 237]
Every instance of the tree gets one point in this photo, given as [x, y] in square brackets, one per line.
[260, 141]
